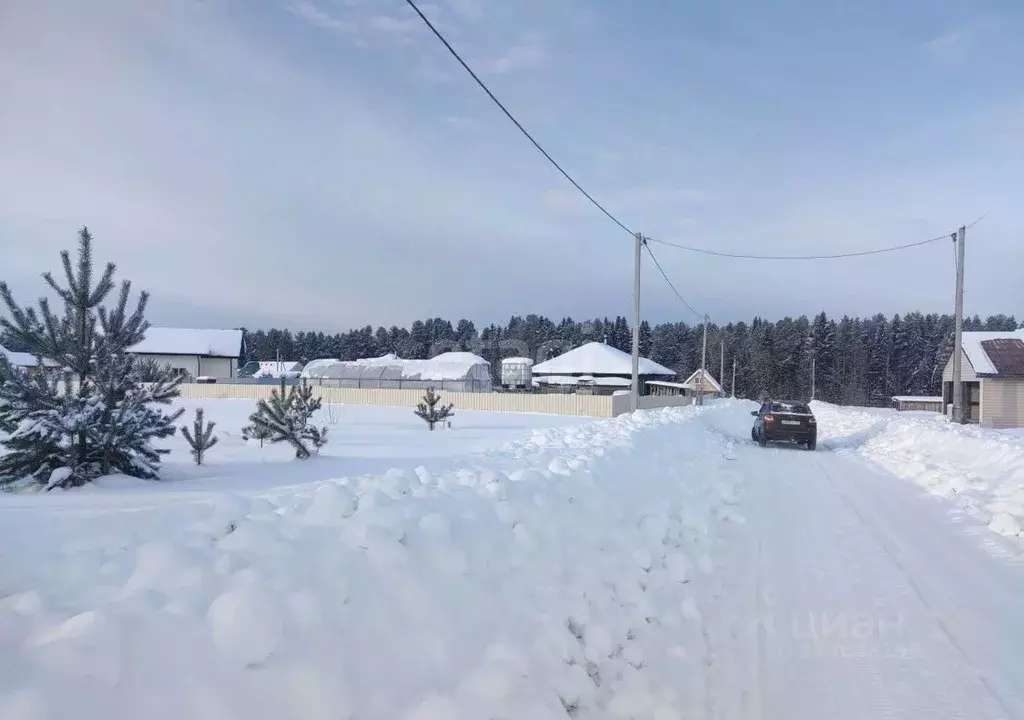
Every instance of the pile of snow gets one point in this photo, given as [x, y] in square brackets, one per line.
[552, 577]
[981, 470]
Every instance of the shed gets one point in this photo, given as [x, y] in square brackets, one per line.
[992, 379]
[909, 403]
[701, 382]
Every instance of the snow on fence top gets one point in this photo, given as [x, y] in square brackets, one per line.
[596, 358]
[516, 361]
[446, 366]
[976, 354]
[189, 341]
[916, 398]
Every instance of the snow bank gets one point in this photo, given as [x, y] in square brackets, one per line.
[982, 470]
[552, 576]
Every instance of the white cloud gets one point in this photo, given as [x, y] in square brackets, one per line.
[956, 47]
[526, 55]
[309, 10]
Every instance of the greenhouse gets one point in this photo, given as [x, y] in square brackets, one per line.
[453, 371]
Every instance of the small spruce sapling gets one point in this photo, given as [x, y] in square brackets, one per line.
[200, 438]
[432, 411]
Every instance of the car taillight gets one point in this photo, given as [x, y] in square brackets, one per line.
[811, 420]
[768, 418]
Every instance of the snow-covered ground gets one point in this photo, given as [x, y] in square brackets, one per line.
[653, 566]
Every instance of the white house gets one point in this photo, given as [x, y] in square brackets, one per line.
[991, 377]
[23, 360]
[599, 366]
[192, 352]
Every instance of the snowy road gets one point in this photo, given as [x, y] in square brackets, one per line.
[849, 594]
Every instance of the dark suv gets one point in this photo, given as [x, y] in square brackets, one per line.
[786, 421]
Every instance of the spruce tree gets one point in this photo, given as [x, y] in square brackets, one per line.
[432, 411]
[200, 438]
[83, 414]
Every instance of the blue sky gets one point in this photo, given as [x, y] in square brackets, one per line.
[325, 163]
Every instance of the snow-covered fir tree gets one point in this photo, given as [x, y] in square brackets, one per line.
[200, 438]
[84, 412]
[432, 411]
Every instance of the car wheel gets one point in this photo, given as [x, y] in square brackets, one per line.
[761, 439]
[812, 443]
[753, 434]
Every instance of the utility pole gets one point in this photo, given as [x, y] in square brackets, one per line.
[734, 378]
[721, 362]
[638, 242]
[958, 392]
[703, 364]
[812, 377]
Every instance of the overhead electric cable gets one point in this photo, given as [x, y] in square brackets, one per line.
[511, 117]
[834, 256]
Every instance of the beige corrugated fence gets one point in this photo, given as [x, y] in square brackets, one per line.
[596, 406]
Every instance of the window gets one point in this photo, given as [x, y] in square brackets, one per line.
[796, 407]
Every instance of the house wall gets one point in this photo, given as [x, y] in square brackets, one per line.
[197, 365]
[1003, 402]
[967, 373]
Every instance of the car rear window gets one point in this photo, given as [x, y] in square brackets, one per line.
[783, 407]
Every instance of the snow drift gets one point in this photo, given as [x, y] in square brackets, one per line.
[981, 470]
[533, 581]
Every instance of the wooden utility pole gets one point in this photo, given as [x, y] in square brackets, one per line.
[958, 391]
[634, 395]
[734, 377]
[703, 364]
[721, 363]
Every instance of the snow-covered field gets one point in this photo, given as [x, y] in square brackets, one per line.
[658, 565]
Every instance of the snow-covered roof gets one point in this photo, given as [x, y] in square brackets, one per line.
[598, 359]
[916, 398]
[586, 380]
[976, 354]
[516, 361]
[190, 341]
[709, 384]
[23, 359]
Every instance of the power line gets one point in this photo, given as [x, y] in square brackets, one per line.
[836, 256]
[511, 117]
[670, 283]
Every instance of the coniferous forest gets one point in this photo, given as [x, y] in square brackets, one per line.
[858, 361]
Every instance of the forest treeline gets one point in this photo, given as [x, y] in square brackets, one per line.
[857, 361]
